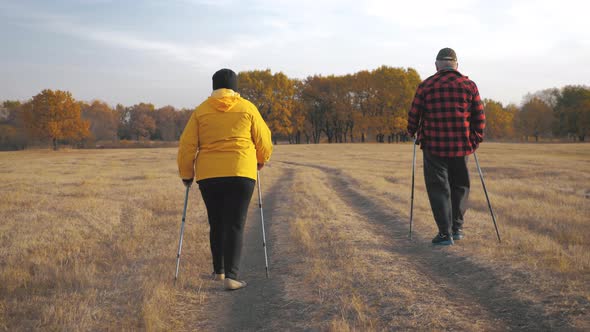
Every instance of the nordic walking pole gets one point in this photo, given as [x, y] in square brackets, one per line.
[412, 196]
[262, 221]
[487, 197]
[181, 234]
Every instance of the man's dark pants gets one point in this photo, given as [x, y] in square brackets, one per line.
[227, 200]
[447, 183]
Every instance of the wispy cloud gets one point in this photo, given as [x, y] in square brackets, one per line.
[276, 23]
[215, 3]
[196, 55]
[424, 14]
[189, 54]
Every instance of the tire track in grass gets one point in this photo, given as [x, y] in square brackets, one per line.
[372, 286]
[463, 280]
[353, 272]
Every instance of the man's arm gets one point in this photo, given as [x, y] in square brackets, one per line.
[478, 118]
[415, 113]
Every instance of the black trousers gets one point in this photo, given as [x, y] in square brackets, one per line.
[447, 183]
[227, 200]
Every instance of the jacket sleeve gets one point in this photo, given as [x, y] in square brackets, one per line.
[187, 148]
[478, 117]
[261, 137]
[415, 113]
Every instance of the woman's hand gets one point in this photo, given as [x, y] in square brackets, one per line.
[187, 182]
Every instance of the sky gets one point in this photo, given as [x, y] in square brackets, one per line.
[165, 51]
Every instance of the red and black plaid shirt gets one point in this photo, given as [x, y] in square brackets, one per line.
[447, 113]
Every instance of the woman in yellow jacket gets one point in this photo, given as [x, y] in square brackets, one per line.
[223, 144]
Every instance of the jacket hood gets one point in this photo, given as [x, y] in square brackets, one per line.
[223, 99]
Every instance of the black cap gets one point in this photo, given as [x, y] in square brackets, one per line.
[225, 79]
[446, 54]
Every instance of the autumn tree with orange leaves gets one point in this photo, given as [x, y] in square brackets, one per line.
[499, 120]
[55, 116]
[273, 95]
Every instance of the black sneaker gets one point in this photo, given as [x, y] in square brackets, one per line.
[442, 240]
[458, 235]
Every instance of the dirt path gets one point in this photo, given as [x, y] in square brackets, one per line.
[261, 306]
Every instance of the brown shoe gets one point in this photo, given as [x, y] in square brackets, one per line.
[231, 284]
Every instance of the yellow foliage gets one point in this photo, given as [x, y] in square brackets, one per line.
[55, 115]
[499, 121]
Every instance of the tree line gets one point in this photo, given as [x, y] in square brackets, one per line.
[367, 106]
[55, 118]
[551, 113]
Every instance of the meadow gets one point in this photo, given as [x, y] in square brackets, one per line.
[88, 241]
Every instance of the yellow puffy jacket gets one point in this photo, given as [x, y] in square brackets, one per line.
[227, 137]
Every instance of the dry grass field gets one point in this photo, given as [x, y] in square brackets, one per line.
[88, 241]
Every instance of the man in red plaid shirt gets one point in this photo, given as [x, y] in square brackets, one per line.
[447, 116]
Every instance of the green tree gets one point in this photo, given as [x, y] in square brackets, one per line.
[12, 133]
[572, 111]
